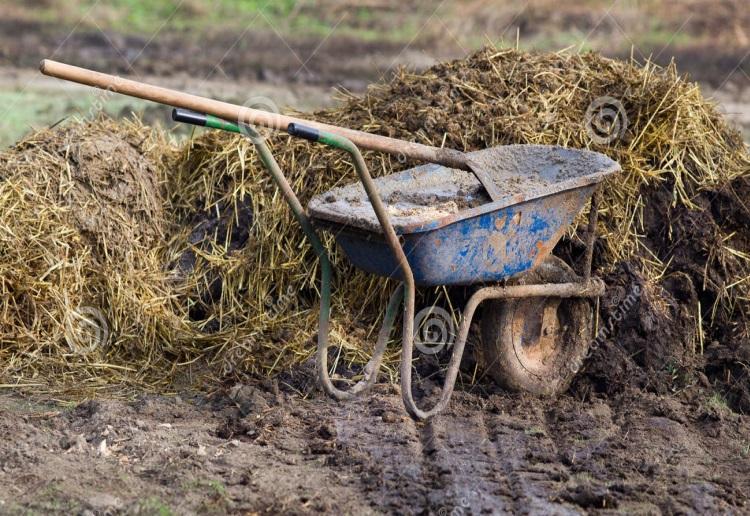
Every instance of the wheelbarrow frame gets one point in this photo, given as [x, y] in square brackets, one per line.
[587, 288]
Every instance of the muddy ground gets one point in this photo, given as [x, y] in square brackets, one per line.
[268, 447]
[612, 444]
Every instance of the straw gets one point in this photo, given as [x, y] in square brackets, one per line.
[195, 267]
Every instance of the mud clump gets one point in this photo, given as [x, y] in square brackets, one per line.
[646, 336]
[115, 195]
[686, 326]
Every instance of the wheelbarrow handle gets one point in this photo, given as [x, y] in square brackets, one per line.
[191, 117]
[372, 368]
[245, 115]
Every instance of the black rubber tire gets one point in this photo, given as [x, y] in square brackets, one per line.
[537, 344]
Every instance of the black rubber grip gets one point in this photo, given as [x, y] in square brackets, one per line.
[189, 117]
[303, 131]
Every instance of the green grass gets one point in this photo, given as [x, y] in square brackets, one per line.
[154, 507]
[534, 431]
[294, 18]
[658, 38]
[719, 404]
[215, 501]
[26, 110]
[219, 488]
[139, 16]
[289, 17]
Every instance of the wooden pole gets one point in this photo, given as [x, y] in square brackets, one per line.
[417, 151]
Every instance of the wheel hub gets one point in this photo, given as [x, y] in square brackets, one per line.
[536, 332]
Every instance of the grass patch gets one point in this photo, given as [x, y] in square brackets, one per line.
[718, 404]
[154, 507]
[137, 16]
[289, 17]
[28, 110]
[534, 431]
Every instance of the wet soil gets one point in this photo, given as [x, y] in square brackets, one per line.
[265, 447]
[649, 336]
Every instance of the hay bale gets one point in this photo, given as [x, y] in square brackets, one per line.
[80, 273]
[676, 149]
[675, 142]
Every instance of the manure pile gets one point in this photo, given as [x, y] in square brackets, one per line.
[194, 267]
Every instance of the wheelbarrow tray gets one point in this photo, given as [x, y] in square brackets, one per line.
[452, 233]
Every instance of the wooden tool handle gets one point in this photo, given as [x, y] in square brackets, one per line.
[241, 114]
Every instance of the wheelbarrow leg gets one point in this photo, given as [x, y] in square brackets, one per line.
[591, 234]
[407, 355]
[373, 366]
[371, 369]
[406, 276]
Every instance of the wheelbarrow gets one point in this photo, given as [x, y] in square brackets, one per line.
[487, 219]
[433, 225]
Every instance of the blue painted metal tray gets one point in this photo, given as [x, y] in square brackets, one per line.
[452, 234]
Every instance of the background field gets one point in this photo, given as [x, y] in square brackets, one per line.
[298, 52]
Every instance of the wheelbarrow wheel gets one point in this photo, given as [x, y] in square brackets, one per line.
[537, 344]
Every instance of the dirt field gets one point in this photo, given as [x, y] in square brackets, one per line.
[639, 431]
[264, 447]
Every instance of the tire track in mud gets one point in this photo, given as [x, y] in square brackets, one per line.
[529, 460]
[452, 464]
[384, 449]
[459, 451]
[443, 466]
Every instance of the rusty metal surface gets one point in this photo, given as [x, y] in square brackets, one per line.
[432, 196]
[591, 288]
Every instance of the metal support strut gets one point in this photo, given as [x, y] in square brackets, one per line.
[372, 367]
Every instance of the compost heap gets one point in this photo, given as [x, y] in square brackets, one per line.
[127, 259]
